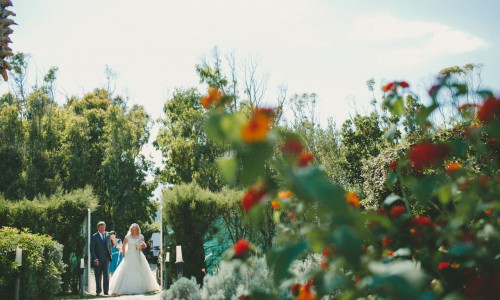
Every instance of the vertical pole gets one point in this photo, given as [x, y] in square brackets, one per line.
[18, 284]
[19, 263]
[167, 261]
[161, 244]
[82, 268]
[88, 249]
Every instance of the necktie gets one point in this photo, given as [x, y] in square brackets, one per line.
[102, 236]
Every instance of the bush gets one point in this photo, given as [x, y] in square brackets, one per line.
[235, 280]
[183, 289]
[61, 216]
[40, 273]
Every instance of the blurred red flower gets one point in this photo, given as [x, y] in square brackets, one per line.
[404, 84]
[386, 241]
[421, 221]
[292, 147]
[426, 154]
[388, 87]
[253, 196]
[489, 110]
[241, 248]
[443, 265]
[396, 211]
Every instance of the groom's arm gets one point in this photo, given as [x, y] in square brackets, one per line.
[92, 249]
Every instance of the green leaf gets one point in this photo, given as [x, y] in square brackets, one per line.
[390, 133]
[213, 128]
[228, 167]
[399, 106]
[253, 162]
[444, 193]
[280, 258]
[312, 185]
[348, 243]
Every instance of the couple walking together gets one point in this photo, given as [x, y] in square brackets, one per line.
[133, 275]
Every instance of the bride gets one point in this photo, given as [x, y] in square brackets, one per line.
[133, 275]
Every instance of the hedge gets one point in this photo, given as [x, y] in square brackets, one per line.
[60, 216]
[42, 267]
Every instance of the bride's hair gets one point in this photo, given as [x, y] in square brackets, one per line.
[134, 225]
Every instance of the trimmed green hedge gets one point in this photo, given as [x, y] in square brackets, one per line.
[61, 216]
[40, 273]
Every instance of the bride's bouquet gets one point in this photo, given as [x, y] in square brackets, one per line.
[140, 245]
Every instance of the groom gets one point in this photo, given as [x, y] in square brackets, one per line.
[100, 250]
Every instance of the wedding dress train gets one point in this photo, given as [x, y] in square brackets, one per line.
[133, 275]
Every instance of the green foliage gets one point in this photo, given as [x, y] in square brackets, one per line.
[183, 289]
[61, 216]
[393, 253]
[42, 264]
[188, 155]
[191, 213]
[93, 141]
[362, 138]
[376, 172]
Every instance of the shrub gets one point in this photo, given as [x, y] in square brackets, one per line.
[183, 289]
[235, 280]
[40, 273]
[61, 216]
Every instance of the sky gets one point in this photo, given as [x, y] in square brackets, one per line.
[330, 48]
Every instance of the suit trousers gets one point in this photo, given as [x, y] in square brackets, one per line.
[102, 272]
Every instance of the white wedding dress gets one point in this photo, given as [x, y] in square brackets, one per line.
[133, 275]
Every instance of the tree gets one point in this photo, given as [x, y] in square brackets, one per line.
[182, 207]
[362, 138]
[188, 155]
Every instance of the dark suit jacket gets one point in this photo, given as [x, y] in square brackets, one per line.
[100, 249]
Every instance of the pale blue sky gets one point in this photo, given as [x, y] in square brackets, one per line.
[327, 47]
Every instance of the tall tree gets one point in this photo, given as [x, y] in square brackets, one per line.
[188, 154]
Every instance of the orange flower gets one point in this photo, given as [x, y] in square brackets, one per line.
[452, 167]
[352, 199]
[285, 194]
[305, 158]
[489, 211]
[305, 292]
[258, 126]
[275, 204]
[241, 248]
[214, 96]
